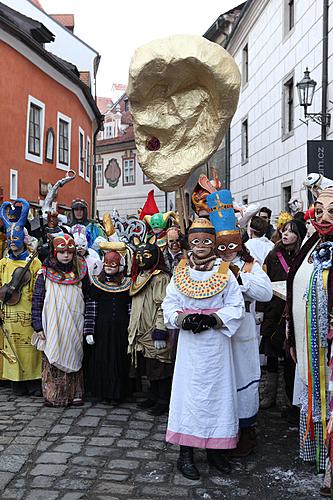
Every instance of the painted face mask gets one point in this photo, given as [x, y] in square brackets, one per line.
[113, 263]
[199, 196]
[201, 238]
[81, 243]
[147, 255]
[14, 218]
[222, 216]
[228, 244]
[63, 243]
[323, 212]
[173, 240]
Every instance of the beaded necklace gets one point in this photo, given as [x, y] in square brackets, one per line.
[200, 289]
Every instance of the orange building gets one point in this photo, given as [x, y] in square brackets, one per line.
[48, 119]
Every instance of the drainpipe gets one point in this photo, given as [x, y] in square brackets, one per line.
[93, 173]
[324, 67]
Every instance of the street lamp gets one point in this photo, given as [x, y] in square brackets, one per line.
[306, 88]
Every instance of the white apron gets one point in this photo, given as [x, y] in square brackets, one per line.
[63, 319]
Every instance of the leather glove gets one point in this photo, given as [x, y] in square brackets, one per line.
[90, 339]
[160, 344]
[198, 322]
[208, 321]
[191, 322]
[259, 318]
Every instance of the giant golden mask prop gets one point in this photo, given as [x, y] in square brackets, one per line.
[183, 92]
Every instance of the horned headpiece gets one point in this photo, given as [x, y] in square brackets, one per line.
[14, 218]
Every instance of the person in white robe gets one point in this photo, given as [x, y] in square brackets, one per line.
[208, 307]
[258, 245]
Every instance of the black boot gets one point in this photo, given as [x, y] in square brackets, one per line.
[219, 461]
[186, 465]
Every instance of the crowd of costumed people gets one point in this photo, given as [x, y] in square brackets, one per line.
[92, 312]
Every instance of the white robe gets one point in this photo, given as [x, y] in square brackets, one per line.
[256, 286]
[259, 248]
[203, 407]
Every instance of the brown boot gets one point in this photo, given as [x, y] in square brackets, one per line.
[246, 443]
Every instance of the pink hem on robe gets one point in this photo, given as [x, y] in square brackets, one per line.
[201, 442]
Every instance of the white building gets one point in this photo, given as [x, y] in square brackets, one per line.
[66, 45]
[120, 182]
[273, 42]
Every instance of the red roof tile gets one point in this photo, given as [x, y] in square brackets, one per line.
[127, 136]
[66, 20]
[37, 3]
[103, 103]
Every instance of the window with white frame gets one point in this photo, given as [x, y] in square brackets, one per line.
[99, 175]
[81, 152]
[245, 140]
[128, 171]
[13, 184]
[289, 16]
[245, 64]
[288, 107]
[64, 142]
[35, 130]
[88, 163]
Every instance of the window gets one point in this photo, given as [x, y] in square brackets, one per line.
[286, 195]
[288, 107]
[81, 152]
[88, 164]
[49, 149]
[245, 141]
[35, 130]
[64, 142]
[126, 104]
[289, 16]
[13, 184]
[99, 176]
[146, 179]
[128, 172]
[245, 64]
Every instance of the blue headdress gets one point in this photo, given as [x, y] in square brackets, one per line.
[14, 218]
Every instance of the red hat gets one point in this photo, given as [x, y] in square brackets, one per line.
[150, 207]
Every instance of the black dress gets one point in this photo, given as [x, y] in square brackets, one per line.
[108, 361]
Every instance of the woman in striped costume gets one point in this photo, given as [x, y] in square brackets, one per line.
[58, 317]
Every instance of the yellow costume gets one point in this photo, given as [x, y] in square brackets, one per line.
[17, 321]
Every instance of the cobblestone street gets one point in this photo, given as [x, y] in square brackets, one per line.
[108, 453]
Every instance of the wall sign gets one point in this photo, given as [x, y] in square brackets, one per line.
[112, 173]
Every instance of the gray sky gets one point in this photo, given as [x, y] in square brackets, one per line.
[115, 28]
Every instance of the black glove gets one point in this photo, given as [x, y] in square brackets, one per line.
[208, 321]
[191, 322]
[198, 322]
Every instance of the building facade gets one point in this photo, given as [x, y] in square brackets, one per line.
[66, 44]
[49, 117]
[273, 43]
[120, 182]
